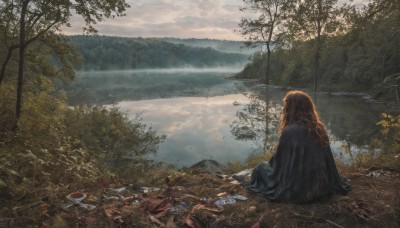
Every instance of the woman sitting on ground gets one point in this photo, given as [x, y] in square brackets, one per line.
[302, 169]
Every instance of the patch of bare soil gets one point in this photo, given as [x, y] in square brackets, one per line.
[190, 200]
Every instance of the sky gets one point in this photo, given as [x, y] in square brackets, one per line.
[214, 19]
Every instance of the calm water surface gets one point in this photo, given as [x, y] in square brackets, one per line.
[206, 116]
[196, 127]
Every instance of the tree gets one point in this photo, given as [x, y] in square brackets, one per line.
[251, 123]
[25, 21]
[311, 20]
[264, 30]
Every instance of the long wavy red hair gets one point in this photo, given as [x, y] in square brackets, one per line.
[299, 108]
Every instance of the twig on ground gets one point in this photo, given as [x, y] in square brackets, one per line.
[374, 189]
[21, 209]
[332, 223]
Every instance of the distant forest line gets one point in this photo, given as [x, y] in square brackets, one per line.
[228, 46]
[115, 53]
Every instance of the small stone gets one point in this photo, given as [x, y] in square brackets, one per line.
[252, 209]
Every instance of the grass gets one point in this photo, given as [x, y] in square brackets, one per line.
[373, 202]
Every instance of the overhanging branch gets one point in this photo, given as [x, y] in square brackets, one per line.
[7, 59]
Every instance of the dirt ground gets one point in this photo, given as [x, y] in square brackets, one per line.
[188, 199]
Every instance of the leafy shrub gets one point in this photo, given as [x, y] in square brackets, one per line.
[56, 145]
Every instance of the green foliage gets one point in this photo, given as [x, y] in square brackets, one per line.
[360, 59]
[58, 145]
[384, 150]
[266, 29]
[313, 18]
[390, 129]
[254, 69]
[109, 134]
[389, 123]
[38, 152]
[51, 148]
[108, 53]
[227, 46]
[24, 22]
[49, 15]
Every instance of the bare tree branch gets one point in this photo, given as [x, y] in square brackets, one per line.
[41, 33]
[7, 59]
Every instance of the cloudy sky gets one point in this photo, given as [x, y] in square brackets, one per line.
[215, 19]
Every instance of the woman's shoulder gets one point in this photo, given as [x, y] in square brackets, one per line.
[295, 128]
[295, 131]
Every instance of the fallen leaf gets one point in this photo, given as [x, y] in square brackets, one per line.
[157, 221]
[90, 221]
[112, 213]
[222, 194]
[190, 223]
[159, 207]
[170, 223]
[211, 209]
[256, 225]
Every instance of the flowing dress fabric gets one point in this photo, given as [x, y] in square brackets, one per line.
[300, 171]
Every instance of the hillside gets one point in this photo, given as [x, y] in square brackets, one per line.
[228, 46]
[110, 53]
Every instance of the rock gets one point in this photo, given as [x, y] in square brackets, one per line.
[208, 166]
[4, 190]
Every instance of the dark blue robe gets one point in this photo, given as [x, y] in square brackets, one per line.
[300, 171]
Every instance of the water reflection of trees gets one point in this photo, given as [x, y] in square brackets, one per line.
[347, 119]
[107, 87]
[259, 120]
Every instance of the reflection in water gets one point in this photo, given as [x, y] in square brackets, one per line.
[196, 127]
[206, 116]
[232, 127]
[258, 120]
[350, 122]
[106, 87]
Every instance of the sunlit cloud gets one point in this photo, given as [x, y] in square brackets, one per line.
[171, 18]
[215, 19]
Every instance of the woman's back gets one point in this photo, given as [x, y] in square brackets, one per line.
[303, 168]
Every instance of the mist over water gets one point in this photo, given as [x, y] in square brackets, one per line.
[107, 87]
[200, 110]
[223, 69]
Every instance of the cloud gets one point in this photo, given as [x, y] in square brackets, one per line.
[172, 18]
[215, 19]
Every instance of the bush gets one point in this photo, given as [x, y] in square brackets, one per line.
[56, 145]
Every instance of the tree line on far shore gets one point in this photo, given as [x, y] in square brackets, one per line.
[321, 45]
[112, 53]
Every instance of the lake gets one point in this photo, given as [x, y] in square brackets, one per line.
[206, 116]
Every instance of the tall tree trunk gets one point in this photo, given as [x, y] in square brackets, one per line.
[268, 65]
[269, 51]
[267, 99]
[21, 60]
[266, 120]
[6, 60]
[383, 66]
[316, 70]
[317, 57]
[318, 48]
[266, 88]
